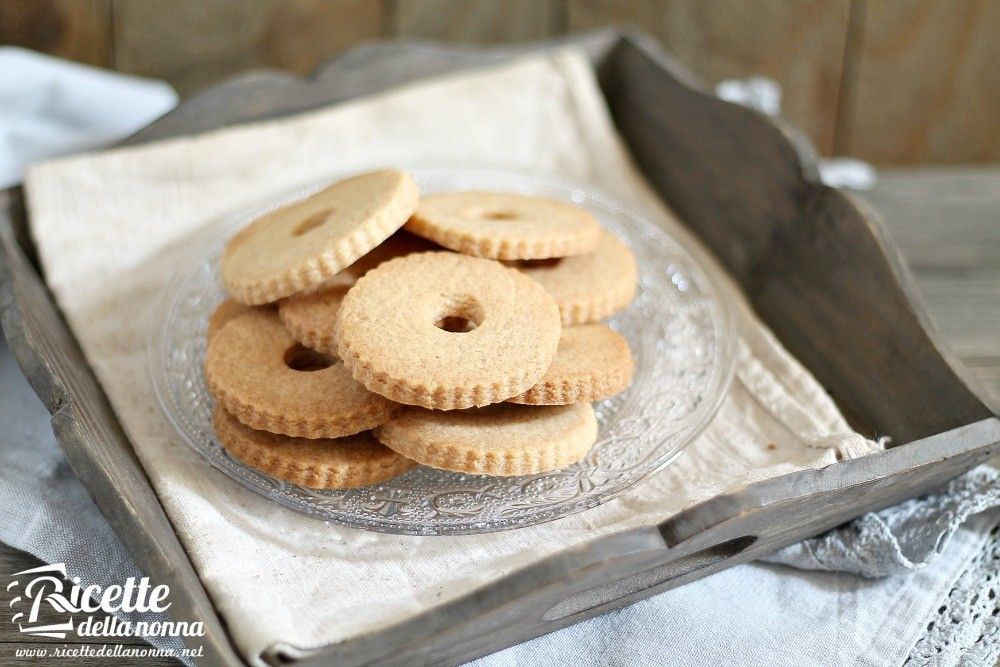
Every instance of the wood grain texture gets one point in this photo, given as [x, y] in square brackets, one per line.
[813, 265]
[893, 82]
[75, 29]
[799, 44]
[944, 220]
[477, 21]
[925, 84]
[191, 43]
[302, 34]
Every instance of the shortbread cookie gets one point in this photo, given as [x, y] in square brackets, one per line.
[588, 287]
[593, 362]
[501, 439]
[271, 383]
[505, 226]
[309, 317]
[223, 313]
[356, 460]
[447, 331]
[301, 245]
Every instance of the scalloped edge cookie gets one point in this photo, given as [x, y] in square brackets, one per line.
[248, 372]
[502, 225]
[310, 317]
[504, 439]
[349, 462]
[588, 287]
[593, 362]
[228, 309]
[299, 246]
[387, 333]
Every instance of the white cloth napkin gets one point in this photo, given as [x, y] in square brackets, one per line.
[112, 227]
[50, 107]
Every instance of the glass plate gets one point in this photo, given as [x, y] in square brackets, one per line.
[679, 328]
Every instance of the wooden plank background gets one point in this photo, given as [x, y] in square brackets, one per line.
[891, 81]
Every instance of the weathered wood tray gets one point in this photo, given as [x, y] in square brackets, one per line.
[811, 259]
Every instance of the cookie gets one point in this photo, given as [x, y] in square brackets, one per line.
[588, 287]
[299, 246]
[223, 313]
[447, 331]
[505, 226]
[271, 383]
[503, 439]
[357, 460]
[309, 317]
[593, 362]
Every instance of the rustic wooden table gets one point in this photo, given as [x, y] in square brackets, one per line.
[946, 223]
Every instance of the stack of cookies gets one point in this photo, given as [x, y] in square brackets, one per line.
[370, 330]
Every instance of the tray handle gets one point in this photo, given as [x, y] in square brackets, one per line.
[91, 437]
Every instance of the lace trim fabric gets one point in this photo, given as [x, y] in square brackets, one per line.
[965, 631]
[901, 538]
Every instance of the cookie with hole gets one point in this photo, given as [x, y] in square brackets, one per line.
[587, 287]
[324, 463]
[260, 375]
[299, 246]
[228, 309]
[593, 362]
[504, 439]
[309, 316]
[447, 331]
[504, 225]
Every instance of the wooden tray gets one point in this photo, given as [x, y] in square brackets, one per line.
[812, 260]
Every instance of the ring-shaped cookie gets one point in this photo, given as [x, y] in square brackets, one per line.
[309, 317]
[588, 287]
[504, 439]
[447, 331]
[271, 383]
[505, 226]
[593, 362]
[356, 460]
[299, 246]
[228, 309]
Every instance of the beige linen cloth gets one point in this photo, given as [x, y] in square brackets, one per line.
[112, 227]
